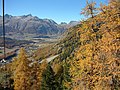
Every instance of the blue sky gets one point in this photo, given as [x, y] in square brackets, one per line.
[58, 10]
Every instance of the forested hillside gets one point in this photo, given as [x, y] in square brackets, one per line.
[88, 57]
[96, 64]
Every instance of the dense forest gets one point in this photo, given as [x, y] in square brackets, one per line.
[89, 57]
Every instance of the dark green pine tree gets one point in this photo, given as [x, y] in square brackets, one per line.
[48, 82]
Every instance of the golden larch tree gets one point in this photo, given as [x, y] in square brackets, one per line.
[22, 72]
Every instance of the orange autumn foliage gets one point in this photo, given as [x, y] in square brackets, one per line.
[97, 62]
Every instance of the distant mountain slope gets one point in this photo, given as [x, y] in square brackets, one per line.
[69, 25]
[31, 25]
[64, 48]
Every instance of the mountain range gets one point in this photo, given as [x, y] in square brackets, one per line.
[28, 24]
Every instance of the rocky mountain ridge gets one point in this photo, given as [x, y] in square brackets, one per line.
[32, 25]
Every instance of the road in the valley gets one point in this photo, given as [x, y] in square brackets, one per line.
[49, 59]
